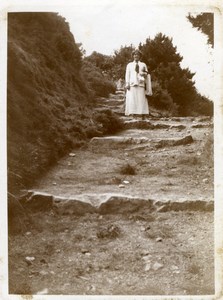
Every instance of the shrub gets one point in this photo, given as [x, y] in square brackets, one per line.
[162, 100]
[46, 95]
[109, 122]
[95, 79]
[127, 170]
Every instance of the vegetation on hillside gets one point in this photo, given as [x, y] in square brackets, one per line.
[49, 99]
[98, 83]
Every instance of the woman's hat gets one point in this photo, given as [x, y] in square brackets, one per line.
[137, 51]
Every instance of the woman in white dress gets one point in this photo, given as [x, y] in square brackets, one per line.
[138, 85]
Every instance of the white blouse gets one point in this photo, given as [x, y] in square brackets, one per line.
[133, 78]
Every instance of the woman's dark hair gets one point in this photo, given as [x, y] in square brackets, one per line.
[137, 51]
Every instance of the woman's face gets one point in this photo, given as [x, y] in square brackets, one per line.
[136, 56]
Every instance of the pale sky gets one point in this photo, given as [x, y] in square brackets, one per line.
[105, 27]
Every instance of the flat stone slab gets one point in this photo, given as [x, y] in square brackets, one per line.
[100, 141]
[202, 125]
[106, 204]
[144, 124]
[113, 141]
[114, 101]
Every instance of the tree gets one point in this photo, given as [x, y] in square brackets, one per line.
[104, 62]
[163, 61]
[82, 50]
[121, 58]
[159, 50]
[112, 66]
[205, 23]
[96, 80]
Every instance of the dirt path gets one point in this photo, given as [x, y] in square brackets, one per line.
[128, 214]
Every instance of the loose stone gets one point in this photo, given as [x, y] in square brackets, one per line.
[126, 182]
[145, 252]
[205, 180]
[72, 154]
[43, 272]
[157, 266]
[30, 258]
[148, 267]
[159, 239]
[121, 186]
[84, 251]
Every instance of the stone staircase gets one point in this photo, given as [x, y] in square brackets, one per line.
[154, 162]
[121, 214]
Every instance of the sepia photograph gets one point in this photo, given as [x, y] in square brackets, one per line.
[111, 149]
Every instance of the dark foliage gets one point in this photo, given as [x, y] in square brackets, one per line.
[159, 50]
[49, 103]
[121, 58]
[205, 23]
[96, 79]
[127, 170]
[110, 123]
[174, 85]
[101, 61]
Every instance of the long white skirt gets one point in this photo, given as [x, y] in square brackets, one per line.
[136, 102]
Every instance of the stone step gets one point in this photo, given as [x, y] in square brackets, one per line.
[106, 204]
[147, 124]
[182, 120]
[191, 119]
[123, 141]
[204, 125]
[111, 107]
[119, 111]
[120, 91]
[112, 102]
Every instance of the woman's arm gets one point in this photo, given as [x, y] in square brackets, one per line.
[127, 77]
[145, 69]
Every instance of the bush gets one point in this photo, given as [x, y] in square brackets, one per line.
[127, 170]
[109, 122]
[162, 100]
[96, 81]
[202, 106]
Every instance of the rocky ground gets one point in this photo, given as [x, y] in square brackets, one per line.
[130, 214]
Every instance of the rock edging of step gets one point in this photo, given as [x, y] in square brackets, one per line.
[114, 141]
[106, 204]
